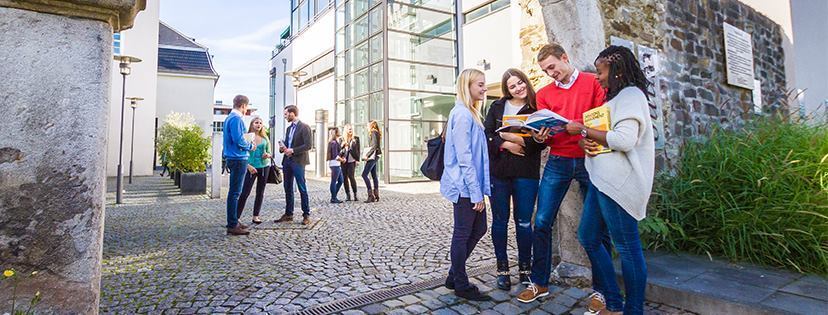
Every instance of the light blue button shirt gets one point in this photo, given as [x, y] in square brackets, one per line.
[466, 158]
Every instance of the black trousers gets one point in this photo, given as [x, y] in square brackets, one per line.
[350, 181]
[261, 180]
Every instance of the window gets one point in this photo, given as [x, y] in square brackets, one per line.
[116, 44]
[421, 49]
[485, 9]
[218, 126]
[420, 21]
[303, 15]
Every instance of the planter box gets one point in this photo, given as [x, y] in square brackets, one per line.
[177, 178]
[193, 183]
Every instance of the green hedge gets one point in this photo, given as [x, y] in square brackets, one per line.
[758, 195]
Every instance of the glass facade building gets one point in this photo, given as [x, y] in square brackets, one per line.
[396, 62]
[393, 61]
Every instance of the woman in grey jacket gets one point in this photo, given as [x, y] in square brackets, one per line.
[620, 183]
[372, 158]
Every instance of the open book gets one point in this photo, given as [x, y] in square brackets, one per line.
[599, 119]
[534, 121]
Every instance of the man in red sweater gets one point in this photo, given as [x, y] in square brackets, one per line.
[570, 95]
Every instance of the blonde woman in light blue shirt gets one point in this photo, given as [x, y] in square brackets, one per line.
[465, 179]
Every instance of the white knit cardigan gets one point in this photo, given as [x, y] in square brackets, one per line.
[626, 173]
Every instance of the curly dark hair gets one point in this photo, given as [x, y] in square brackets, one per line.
[624, 70]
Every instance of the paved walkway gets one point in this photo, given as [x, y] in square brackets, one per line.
[167, 253]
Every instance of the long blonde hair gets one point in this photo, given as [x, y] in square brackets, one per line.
[464, 81]
[261, 132]
[348, 136]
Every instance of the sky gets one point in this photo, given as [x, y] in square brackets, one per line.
[240, 35]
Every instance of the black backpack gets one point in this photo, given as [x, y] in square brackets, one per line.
[432, 167]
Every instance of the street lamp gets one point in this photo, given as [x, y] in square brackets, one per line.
[123, 64]
[296, 81]
[133, 102]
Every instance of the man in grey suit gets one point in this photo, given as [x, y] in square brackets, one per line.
[295, 147]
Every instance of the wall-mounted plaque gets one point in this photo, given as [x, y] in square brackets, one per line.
[738, 57]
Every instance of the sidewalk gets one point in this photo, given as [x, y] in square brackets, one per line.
[716, 287]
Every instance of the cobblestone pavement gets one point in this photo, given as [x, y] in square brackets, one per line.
[167, 253]
[561, 300]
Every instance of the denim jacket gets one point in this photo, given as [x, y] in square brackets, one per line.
[466, 158]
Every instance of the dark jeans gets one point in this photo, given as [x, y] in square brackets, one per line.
[557, 175]
[603, 215]
[469, 228]
[293, 170]
[336, 181]
[522, 192]
[370, 168]
[238, 168]
[350, 181]
[261, 180]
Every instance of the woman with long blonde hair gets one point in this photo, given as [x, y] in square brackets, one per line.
[350, 146]
[465, 178]
[257, 169]
[372, 157]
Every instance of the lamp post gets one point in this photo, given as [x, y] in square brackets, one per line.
[295, 80]
[133, 102]
[123, 65]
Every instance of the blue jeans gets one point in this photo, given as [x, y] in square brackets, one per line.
[557, 175]
[469, 228]
[238, 170]
[370, 168]
[293, 170]
[336, 181]
[602, 215]
[522, 192]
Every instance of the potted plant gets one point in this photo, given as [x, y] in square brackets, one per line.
[169, 133]
[190, 154]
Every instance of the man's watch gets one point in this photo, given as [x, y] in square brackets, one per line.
[584, 133]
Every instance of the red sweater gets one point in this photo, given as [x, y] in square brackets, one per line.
[585, 94]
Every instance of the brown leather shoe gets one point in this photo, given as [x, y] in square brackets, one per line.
[284, 218]
[238, 230]
[532, 293]
[244, 226]
[306, 220]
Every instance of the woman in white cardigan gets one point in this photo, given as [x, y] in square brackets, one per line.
[621, 183]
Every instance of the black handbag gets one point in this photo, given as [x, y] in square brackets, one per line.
[274, 174]
[432, 167]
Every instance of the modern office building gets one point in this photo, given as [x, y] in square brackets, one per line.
[390, 61]
[395, 61]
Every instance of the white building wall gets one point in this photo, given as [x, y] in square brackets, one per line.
[311, 43]
[810, 26]
[186, 94]
[140, 41]
[499, 46]
[284, 91]
[319, 95]
[314, 40]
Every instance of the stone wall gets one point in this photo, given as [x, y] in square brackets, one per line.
[694, 92]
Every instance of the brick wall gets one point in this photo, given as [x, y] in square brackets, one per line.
[694, 92]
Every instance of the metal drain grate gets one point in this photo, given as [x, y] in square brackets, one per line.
[385, 294]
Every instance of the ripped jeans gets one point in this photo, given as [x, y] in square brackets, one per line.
[520, 193]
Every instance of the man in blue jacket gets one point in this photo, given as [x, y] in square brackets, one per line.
[236, 152]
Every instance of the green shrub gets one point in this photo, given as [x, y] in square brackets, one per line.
[758, 195]
[191, 151]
